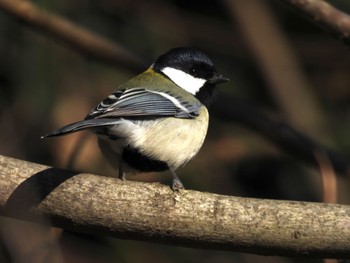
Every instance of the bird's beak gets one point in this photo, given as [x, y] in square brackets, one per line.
[217, 79]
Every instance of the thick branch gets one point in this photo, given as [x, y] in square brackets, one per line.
[76, 37]
[323, 14]
[153, 212]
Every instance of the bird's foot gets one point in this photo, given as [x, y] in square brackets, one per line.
[177, 185]
[122, 176]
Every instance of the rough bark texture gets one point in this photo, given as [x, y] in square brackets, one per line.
[153, 212]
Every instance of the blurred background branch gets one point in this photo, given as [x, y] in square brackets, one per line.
[279, 65]
[278, 131]
[154, 213]
[325, 15]
[76, 37]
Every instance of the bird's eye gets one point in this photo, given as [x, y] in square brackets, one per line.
[200, 71]
[193, 71]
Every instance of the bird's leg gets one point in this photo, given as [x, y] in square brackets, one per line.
[121, 174]
[177, 185]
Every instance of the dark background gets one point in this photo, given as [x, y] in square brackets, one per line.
[44, 84]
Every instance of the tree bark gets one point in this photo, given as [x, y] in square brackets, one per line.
[153, 212]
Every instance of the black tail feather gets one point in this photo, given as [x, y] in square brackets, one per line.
[81, 125]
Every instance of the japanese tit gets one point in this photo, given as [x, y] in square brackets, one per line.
[157, 120]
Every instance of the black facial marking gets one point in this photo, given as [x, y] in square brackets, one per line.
[189, 60]
[206, 94]
[141, 162]
[202, 71]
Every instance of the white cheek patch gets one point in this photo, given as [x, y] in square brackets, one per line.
[184, 80]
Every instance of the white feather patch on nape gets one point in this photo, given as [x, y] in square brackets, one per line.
[184, 80]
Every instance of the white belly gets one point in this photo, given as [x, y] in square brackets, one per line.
[171, 140]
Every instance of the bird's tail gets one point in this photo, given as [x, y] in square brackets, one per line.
[82, 125]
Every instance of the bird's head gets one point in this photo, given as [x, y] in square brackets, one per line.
[192, 70]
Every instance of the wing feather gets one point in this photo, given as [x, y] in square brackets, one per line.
[137, 102]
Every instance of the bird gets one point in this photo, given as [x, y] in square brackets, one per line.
[157, 120]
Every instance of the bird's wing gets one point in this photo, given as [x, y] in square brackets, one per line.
[132, 103]
[137, 102]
